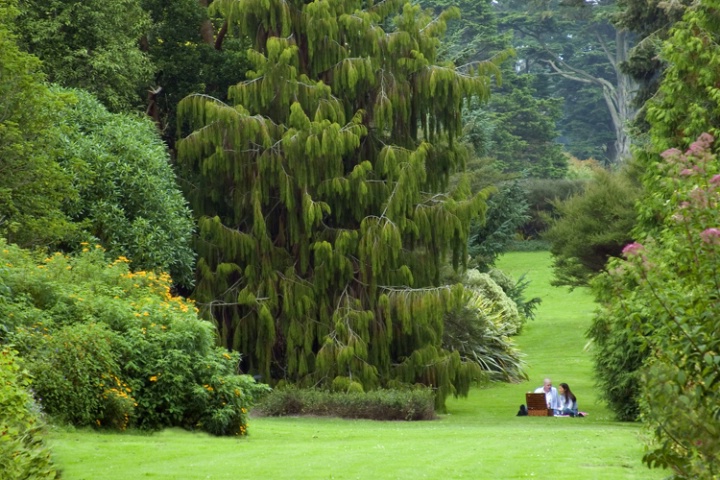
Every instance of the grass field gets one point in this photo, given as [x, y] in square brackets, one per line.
[479, 438]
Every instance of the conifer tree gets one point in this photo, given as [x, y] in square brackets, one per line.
[322, 194]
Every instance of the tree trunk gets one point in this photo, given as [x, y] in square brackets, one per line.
[618, 95]
[207, 31]
[625, 91]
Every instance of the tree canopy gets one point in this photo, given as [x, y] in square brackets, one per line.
[576, 46]
[93, 45]
[32, 184]
[126, 195]
[324, 214]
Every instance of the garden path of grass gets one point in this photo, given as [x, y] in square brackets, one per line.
[479, 438]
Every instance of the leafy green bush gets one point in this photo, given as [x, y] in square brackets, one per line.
[113, 347]
[592, 226]
[127, 195]
[75, 372]
[32, 184]
[515, 290]
[507, 211]
[618, 353]
[541, 195]
[410, 404]
[661, 311]
[23, 453]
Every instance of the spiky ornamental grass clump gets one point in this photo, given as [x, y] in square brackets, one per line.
[481, 328]
[321, 192]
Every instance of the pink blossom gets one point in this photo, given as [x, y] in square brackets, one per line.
[701, 144]
[710, 235]
[715, 179]
[686, 172]
[670, 152]
[632, 249]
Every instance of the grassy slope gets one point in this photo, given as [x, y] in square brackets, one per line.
[479, 438]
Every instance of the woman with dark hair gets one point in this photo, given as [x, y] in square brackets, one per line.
[568, 401]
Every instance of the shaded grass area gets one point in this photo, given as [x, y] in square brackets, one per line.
[479, 438]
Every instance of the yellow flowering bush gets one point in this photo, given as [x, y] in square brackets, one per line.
[119, 348]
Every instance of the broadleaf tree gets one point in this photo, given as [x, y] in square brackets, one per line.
[92, 45]
[32, 185]
[321, 191]
[127, 197]
[576, 44]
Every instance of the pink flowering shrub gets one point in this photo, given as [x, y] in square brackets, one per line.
[661, 307]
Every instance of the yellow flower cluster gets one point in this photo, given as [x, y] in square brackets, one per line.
[120, 390]
[118, 385]
[154, 284]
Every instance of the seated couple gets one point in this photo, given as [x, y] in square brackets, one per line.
[562, 401]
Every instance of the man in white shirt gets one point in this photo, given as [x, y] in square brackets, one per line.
[551, 394]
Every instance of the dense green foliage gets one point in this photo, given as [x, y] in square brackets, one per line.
[191, 51]
[687, 102]
[666, 291]
[515, 289]
[650, 21]
[23, 452]
[112, 347]
[681, 108]
[542, 196]
[127, 197]
[507, 211]
[32, 185]
[415, 404]
[72, 171]
[524, 137]
[592, 226]
[324, 214]
[93, 45]
[618, 353]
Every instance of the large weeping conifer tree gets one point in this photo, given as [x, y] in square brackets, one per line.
[322, 194]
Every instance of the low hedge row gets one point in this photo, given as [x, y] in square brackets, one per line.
[418, 404]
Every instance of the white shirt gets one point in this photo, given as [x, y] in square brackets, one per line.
[551, 397]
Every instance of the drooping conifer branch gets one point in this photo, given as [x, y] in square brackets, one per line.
[326, 215]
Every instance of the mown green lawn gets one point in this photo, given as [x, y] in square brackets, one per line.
[479, 438]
